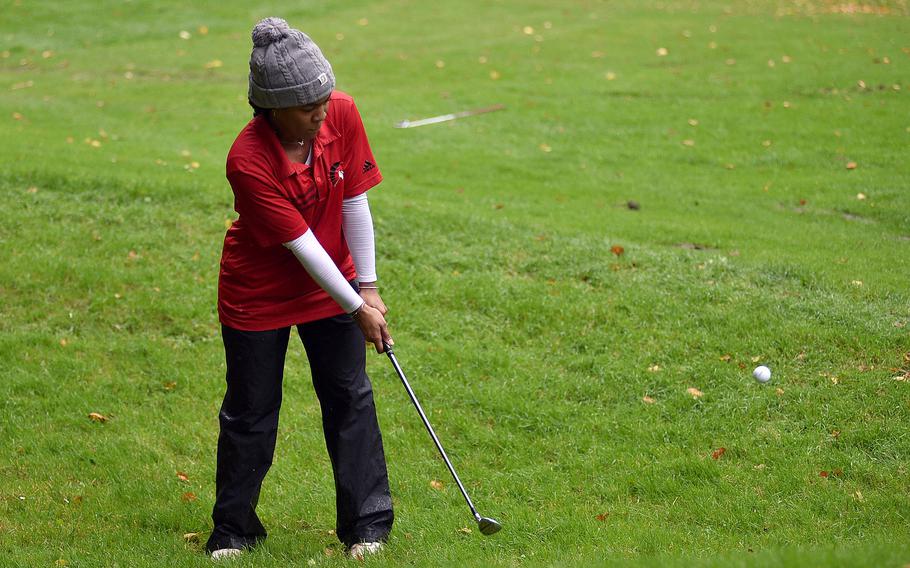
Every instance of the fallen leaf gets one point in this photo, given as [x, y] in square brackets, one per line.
[693, 122]
[185, 34]
[182, 476]
[654, 368]
[610, 75]
[756, 358]
[189, 496]
[495, 75]
[688, 143]
[602, 517]
[861, 196]
[191, 537]
[851, 165]
[617, 250]
[823, 473]
[436, 484]
[647, 400]
[528, 30]
[440, 63]
[662, 52]
[328, 551]
[203, 30]
[363, 22]
[716, 454]
[858, 496]
[465, 530]
[545, 148]
[96, 417]
[63, 342]
[779, 391]
[725, 358]
[695, 392]
[214, 64]
[835, 434]
[169, 385]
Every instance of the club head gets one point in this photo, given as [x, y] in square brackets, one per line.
[488, 526]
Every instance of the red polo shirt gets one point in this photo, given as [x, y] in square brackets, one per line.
[262, 285]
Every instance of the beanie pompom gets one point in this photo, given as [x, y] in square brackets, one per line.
[270, 30]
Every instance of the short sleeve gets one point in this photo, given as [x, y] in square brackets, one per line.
[269, 216]
[361, 171]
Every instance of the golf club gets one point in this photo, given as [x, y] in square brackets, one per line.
[486, 525]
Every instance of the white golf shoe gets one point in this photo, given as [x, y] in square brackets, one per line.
[362, 549]
[225, 553]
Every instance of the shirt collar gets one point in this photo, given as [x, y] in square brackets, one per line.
[326, 135]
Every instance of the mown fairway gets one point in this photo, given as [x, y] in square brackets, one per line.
[586, 365]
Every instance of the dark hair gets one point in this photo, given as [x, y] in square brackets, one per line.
[259, 110]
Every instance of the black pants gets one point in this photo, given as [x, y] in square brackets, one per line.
[336, 351]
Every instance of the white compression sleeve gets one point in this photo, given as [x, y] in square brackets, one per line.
[320, 266]
[357, 223]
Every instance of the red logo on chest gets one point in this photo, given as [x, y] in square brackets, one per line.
[336, 173]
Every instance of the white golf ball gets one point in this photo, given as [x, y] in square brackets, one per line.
[762, 374]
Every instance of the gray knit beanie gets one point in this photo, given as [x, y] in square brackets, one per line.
[286, 67]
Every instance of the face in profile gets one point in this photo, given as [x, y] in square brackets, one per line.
[300, 122]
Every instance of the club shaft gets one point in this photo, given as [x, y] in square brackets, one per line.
[426, 423]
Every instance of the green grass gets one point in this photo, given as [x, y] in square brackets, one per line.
[530, 344]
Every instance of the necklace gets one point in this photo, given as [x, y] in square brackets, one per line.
[302, 142]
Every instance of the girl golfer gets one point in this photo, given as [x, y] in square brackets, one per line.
[300, 254]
